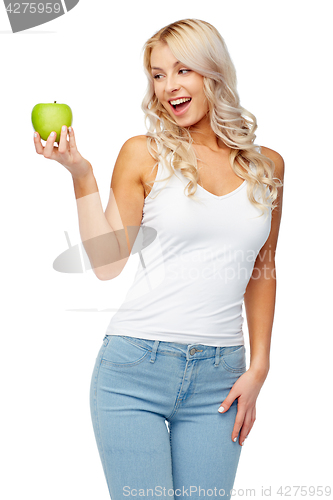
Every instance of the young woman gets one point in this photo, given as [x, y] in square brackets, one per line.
[171, 399]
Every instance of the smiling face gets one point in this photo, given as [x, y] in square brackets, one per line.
[174, 82]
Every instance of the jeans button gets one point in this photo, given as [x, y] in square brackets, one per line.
[192, 351]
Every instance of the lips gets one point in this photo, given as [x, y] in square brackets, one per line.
[180, 97]
[180, 108]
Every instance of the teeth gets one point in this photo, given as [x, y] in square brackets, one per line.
[179, 101]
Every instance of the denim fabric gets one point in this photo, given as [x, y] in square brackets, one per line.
[154, 408]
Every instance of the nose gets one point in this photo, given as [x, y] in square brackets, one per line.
[171, 84]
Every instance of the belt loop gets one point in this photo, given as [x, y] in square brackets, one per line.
[153, 353]
[217, 356]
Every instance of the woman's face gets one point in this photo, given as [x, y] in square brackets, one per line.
[173, 81]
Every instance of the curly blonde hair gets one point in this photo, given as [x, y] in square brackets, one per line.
[199, 46]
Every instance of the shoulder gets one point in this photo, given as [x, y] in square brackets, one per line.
[136, 147]
[134, 155]
[276, 158]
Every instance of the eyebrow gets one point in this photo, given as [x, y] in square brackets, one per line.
[178, 62]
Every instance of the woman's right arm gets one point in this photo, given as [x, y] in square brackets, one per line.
[103, 238]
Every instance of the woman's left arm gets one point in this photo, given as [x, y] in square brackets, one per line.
[259, 300]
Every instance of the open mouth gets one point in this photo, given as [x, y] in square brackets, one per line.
[180, 105]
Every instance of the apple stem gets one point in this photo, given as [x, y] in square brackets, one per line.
[55, 102]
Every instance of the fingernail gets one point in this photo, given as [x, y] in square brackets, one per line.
[221, 409]
[70, 129]
[63, 128]
[243, 442]
[235, 439]
[35, 134]
[52, 134]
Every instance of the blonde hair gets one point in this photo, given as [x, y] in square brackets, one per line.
[199, 46]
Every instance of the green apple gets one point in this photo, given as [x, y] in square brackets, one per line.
[50, 117]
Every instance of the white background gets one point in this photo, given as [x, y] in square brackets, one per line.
[91, 60]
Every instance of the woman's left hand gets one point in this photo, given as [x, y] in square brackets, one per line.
[246, 389]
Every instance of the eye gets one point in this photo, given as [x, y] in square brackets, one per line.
[158, 76]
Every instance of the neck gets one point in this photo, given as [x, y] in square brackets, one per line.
[203, 135]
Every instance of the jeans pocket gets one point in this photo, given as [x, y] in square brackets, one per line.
[120, 352]
[233, 359]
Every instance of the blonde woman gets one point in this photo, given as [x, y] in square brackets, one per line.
[171, 398]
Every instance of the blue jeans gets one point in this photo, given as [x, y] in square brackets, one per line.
[154, 412]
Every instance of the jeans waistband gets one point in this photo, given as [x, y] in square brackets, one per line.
[189, 351]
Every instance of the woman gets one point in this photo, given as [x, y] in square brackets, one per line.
[176, 355]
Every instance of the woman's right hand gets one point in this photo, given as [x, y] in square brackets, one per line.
[66, 153]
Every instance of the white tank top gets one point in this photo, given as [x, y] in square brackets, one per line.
[190, 282]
